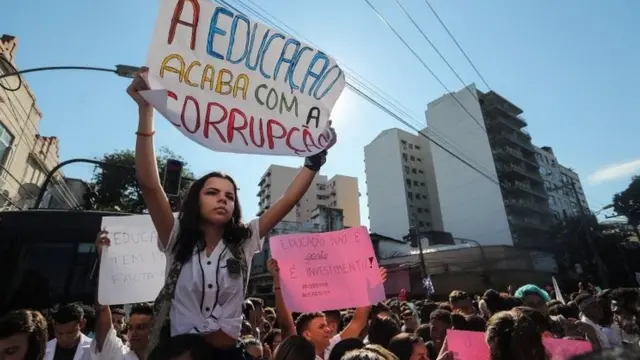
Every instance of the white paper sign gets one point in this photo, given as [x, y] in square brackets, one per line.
[131, 269]
[235, 85]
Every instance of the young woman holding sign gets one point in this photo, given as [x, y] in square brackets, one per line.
[208, 247]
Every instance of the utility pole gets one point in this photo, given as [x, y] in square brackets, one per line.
[414, 238]
[602, 272]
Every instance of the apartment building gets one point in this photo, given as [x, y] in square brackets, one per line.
[559, 181]
[338, 192]
[401, 188]
[25, 156]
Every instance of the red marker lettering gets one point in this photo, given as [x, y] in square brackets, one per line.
[233, 127]
[271, 123]
[212, 124]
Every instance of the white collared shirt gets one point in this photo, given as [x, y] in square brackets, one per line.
[113, 349]
[334, 340]
[206, 301]
[82, 351]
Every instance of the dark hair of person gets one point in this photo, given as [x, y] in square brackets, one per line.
[458, 322]
[251, 341]
[257, 302]
[344, 346]
[26, 322]
[458, 295]
[190, 219]
[362, 354]
[381, 330]
[538, 318]
[445, 306]
[68, 313]
[441, 315]
[475, 323]
[334, 316]
[401, 345]
[304, 320]
[494, 301]
[89, 314]
[377, 309]
[511, 335]
[568, 312]
[192, 344]
[295, 347]
[426, 310]
[270, 337]
[118, 311]
[424, 331]
[142, 309]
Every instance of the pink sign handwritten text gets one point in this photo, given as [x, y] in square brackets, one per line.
[472, 345]
[328, 271]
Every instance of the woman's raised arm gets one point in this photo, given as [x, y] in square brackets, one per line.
[147, 166]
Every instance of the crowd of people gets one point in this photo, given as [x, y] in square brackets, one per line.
[202, 311]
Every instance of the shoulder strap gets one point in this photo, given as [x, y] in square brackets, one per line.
[244, 271]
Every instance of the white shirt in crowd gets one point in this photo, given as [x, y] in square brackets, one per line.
[113, 349]
[334, 340]
[82, 351]
[208, 298]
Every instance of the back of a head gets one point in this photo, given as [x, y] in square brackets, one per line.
[362, 355]
[538, 318]
[381, 351]
[426, 310]
[381, 330]
[511, 335]
[30, 324]
[295, 348]
[618, 353]
[177, 346]
[344, 346]
[401, 345]
[68, 313]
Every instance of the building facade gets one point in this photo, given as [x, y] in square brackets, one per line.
[339, 192]
[559, 181]
[400, 184]
[25, 157]
[471, 200]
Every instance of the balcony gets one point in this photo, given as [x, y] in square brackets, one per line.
[510, 153]
[514, 139]
[510, 169]
[526, 205]
[520, 186]
[505, 116]
[530, 223]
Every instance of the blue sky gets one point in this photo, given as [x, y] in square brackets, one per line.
[571, 65]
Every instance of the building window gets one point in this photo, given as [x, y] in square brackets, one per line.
[410, 146]
[419, 160]
[420, 171]
[419, 210]
[421, 223]
[413, 158]
[408, 182]
[410, 195]
[406, 169]
[422, 184]
[413, 170]
[418, 197]
[415, 183]
[417, 147]
[404, 157]
[6, 139]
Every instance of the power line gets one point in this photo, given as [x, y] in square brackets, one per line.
[456, 42]
[366, 96]
[424, 64]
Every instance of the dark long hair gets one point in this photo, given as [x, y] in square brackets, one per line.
[190, 220]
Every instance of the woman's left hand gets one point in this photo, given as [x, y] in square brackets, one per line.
[383, 274]
[331, 133]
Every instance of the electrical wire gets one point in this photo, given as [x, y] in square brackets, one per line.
[424, 64]
[369, 98]
[457, 44]
[435, 48]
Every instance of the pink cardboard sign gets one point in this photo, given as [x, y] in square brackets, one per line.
[327, 271]
[471, 345]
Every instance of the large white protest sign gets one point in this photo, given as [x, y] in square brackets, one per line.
[235, 85]
[132, 268]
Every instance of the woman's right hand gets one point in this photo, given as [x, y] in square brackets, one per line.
[102, 240]
[139, 84]
[272, 266]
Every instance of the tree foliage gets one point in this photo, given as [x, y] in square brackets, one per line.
[115, 182]
[627, 203]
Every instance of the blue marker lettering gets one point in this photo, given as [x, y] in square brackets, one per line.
[284, 59]
[315, 75]
[289, 77]
[264, 52]
[339, 76]
[232, 38]
[247, 63]
[214, 29]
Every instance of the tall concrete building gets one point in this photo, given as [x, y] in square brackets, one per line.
[339, 192]
[400, 185]
[559, 182]
[25, 157]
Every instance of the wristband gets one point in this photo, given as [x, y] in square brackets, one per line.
[138, 133]
[315, 162]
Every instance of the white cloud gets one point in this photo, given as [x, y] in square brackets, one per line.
[615, 172]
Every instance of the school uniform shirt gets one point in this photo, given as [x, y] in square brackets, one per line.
[82, 350]
[113, 349]
[334, 340]
[207, 297]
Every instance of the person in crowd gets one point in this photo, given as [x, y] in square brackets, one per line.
[118, 319]
[439, 323]
[334, 320]
[89, 314]
[23, 335]
[272, 339]
[408, 347]
[254, 347]
[619, 353]
[382, 330]
[182, 347]
[108, 346]
[69, 343]
[208, 247]
[426, 310]
[511, 335]
[380, 351]
[270, 316]
[295, 347]
[591, 313]
[626, 314]
[344, 346]
[534, 297]
[424, 332]
[461, 302]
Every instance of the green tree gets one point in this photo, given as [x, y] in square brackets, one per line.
[627, 203]
[115, 182]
